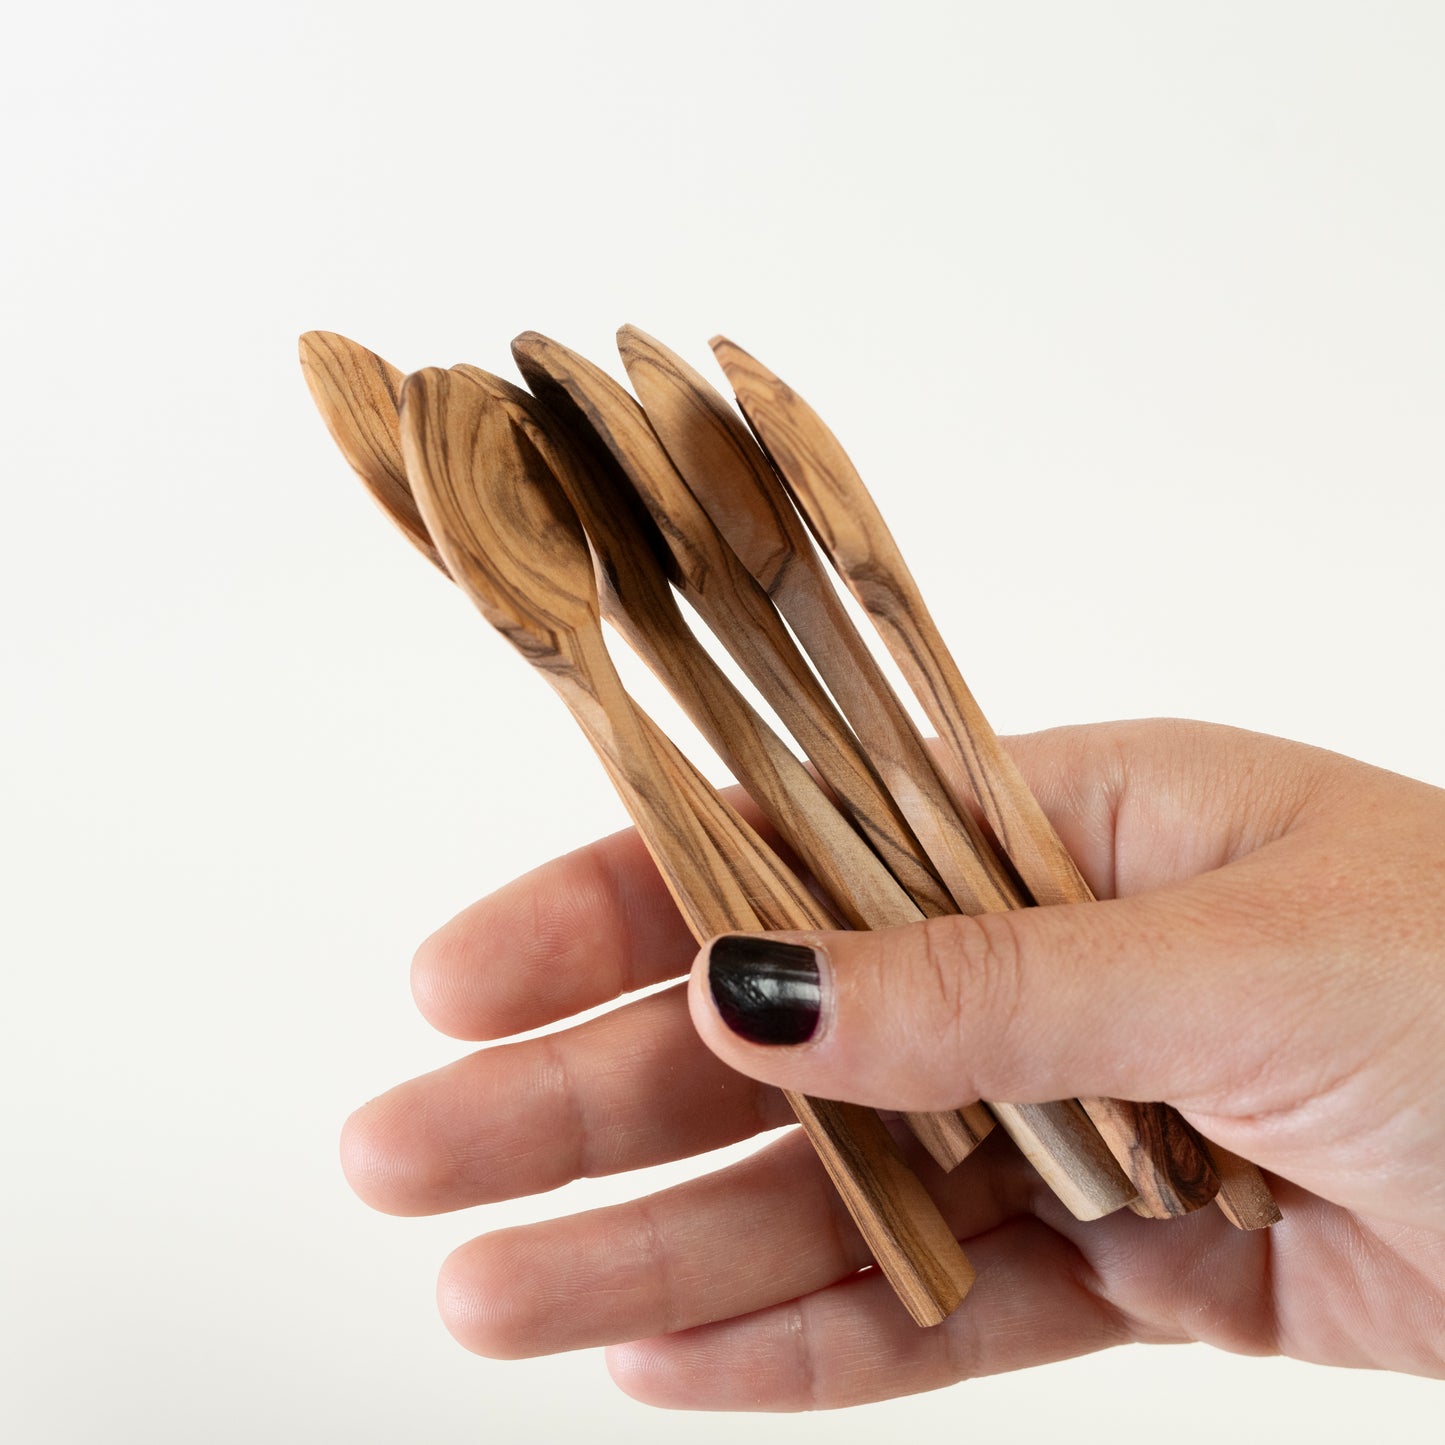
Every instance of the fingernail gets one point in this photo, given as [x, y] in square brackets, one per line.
[765, 991]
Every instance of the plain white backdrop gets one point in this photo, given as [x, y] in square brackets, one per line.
[1133, 316]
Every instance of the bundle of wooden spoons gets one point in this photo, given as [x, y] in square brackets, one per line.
[557, 506]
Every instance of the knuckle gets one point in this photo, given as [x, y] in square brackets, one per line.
[973, 968]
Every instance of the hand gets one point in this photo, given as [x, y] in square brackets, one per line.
[1274, 967]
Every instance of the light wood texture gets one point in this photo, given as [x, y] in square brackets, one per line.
[732, 479]
[509, 538]
[581, 396]
[1058, 1137]
[724, 468]
[1150, 1141]
[638, 600]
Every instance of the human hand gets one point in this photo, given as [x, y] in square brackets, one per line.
[1274, 967]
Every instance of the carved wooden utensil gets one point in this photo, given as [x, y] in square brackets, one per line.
[583, 397]
[1156, 1148]
[727, 472]
[510, 540]
[354, 390]
[1057, 1137]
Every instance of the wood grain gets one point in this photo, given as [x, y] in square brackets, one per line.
[1244, 1197]
[637, 599]
[509, 538]
[358, 395]
[729, 475]
[1079, 1169]
[1150, 1141]
[586, 400]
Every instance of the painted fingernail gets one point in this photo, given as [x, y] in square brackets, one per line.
[765, 991]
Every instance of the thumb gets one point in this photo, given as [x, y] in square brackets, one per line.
[1153, 997]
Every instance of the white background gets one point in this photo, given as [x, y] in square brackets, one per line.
[1132, 315]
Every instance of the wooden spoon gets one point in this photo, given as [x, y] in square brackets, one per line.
[1156, 1148]
[1057, 1137]
[724, 468]
[639, 602]
[586, 400]
[512, 543]
[1064, 1147]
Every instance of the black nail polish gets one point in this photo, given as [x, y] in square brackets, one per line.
[767, 992]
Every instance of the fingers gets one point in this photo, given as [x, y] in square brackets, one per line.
[576, 932]
[623, 1091]
[850, 1343]
[739, 1240]
[1145, 998]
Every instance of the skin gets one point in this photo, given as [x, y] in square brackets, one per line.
[1271, 961]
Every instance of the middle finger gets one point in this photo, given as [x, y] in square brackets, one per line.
[632, 1088]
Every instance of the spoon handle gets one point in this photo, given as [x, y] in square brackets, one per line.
[1056, 1137]
[1244, 1198]
[850, 873]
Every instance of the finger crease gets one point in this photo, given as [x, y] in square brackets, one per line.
[803, 1347]
[564, 1087]
[659, 1259]
[1090, 1283]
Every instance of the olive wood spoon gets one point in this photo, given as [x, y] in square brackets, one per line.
[585, 400]
[727, 472]
[638, 600]
[355, 390]
[510, 540]
[1058, 1138]
[1156, 1148]
[723, 467]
